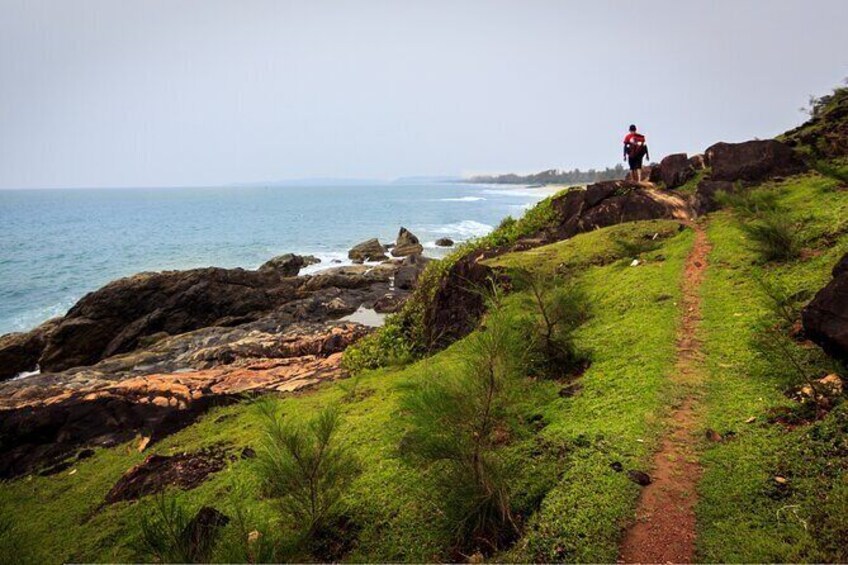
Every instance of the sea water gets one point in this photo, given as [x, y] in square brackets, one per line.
[57, 245]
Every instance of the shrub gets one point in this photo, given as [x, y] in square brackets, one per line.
[304, 467]
[774, 236]
[457, 422]
[559, 307]
[170, 535]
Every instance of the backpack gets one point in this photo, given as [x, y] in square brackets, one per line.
[637, 147]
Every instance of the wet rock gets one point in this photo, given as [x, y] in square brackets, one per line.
[158, 472]
[444, 242]
[390, 302]
[289, 264]
[639, 477]
[752, 161]
[20, 352]
[675, 170]
[369, 250]
[407, 244]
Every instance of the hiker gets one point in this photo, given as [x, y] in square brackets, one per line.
[635, 150]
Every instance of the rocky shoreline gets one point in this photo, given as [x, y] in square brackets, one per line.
[145, 355]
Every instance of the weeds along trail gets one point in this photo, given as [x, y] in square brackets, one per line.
[664, 531]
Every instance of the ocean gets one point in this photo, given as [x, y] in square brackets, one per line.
[57, 245]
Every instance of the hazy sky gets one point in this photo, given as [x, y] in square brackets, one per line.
[175, 92]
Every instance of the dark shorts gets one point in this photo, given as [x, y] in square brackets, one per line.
[635, 162]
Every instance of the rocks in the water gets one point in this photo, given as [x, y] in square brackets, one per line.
[825, 318]
[157, 472]
[369, 250]
[444, 242]
[675, 170]
[407, 244]
[752, 161]
[20, 352]
[289, 264]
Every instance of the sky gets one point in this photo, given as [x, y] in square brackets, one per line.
[115, 93]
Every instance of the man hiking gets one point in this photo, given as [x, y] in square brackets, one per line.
[635, 150]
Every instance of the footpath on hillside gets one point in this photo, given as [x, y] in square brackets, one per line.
[664, 530]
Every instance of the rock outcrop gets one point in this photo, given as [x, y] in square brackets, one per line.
[45, 418]
[825, 318]
[20, 352]
[369, 250]
[407, 244]
[406, 277]
[752, 161]
[675, 170]
[289, 264]
[612, 202]
[444, 242]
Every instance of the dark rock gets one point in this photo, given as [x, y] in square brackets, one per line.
[201, 533]
[653, 173]
[697, 162]
[570, 390]
[704, 200]
[248, 453]
[617, 466]
[639, 477]
[390, 302]
[406, 276]
[825, 318]
[457, 303]
[407, 244]
[444, 242]
[369, 250]
[752, 161]
[609, 203]
[116, 317]
[675, 170]
[157, 472]
[20, 352]
[85, 454]
[289, 264]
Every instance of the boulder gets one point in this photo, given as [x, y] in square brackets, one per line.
[444, 242]
[407, 244]
[289, 264]
[390, 302]
[20, 352]
[752, 161]
[697, 162]
[704, 200]
[406, 276]
[116, 317]
[369, 250]
[609, 203]
[675, 170]
[825, 318]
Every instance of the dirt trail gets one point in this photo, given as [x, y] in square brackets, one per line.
[664, 531]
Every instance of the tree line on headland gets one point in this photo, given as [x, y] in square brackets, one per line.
[554, 176]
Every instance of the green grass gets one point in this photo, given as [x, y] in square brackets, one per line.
[572, 503]
[742, 514]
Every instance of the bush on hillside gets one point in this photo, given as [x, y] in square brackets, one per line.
[558, 308]
[774, 236]
[457, 422]
[305, 469]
